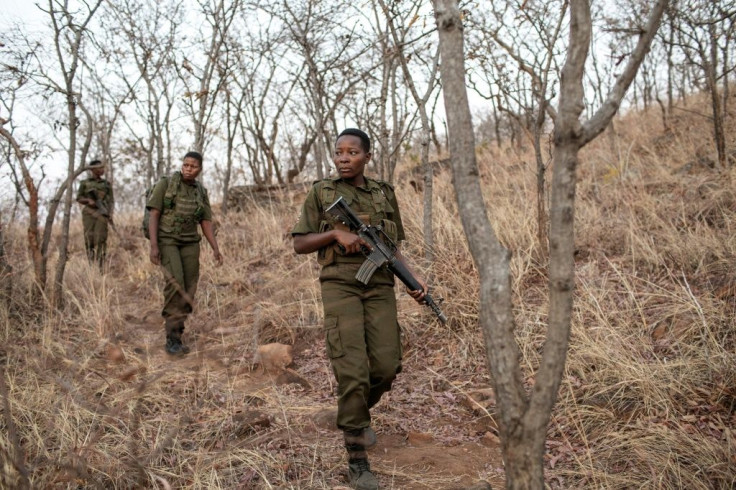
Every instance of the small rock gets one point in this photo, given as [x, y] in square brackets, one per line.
[274, 357]
[480, 400]
[326, 419]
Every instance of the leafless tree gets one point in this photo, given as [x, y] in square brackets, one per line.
[705, 33]
[384, 108]
[398, 23]
[331, 54]
[266, 77]
[69, 33]
[14, 79]
[524, 418]
[32, 202]
[6, 272]
[204, 74]
[524, 38]
[150, 30]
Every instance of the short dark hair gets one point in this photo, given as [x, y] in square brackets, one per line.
[365, 141]
[96, 164]
[194, 154]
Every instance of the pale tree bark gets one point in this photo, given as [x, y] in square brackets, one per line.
[233, 110]
[68, 36]
[72, 174]
[204, 83]
[150, 30]
[524, 419]
[400, 44]
[6, 272]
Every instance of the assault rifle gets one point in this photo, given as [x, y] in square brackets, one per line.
[99, 203]
[382, 252]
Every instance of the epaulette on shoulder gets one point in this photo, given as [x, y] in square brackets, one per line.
[383, 185]
[323, 181]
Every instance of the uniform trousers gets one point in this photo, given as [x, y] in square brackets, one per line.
[181, 268]
[362, 337]
[95, 236]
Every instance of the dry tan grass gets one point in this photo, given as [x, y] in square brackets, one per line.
[90, 400]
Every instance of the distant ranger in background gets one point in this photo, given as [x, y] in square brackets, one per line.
[176, 205]
[95, 196]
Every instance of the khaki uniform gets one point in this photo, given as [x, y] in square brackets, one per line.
[178, 241]
[96, 219]
[361, 330]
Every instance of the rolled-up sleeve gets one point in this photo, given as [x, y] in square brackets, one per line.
[156, 201]
[309, 218]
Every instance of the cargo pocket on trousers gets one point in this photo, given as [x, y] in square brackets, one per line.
[332, 338]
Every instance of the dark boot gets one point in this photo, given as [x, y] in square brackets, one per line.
[359, 471]
[174, 345]
[360, 475]
[361, 437]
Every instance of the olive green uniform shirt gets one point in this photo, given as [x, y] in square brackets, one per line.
[178, 225]
[374, 200]
[102, 189]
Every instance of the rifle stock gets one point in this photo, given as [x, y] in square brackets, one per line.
[382, 253]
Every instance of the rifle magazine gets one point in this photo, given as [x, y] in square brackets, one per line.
[366, 271]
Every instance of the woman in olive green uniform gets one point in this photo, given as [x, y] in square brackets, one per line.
[362, 333]
[95, 195]
[176, 205]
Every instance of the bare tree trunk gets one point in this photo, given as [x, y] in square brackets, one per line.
[322, 168]
[6, 273]
[68, 30]
[523, 421]
[490, 257]
[711, 67]
[542, 217]
[421, 101]
[496, 122]
[58, 287]
[229, 156]
[383, 133]
[34, 243]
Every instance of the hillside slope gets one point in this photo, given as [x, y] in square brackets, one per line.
[90, 399]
